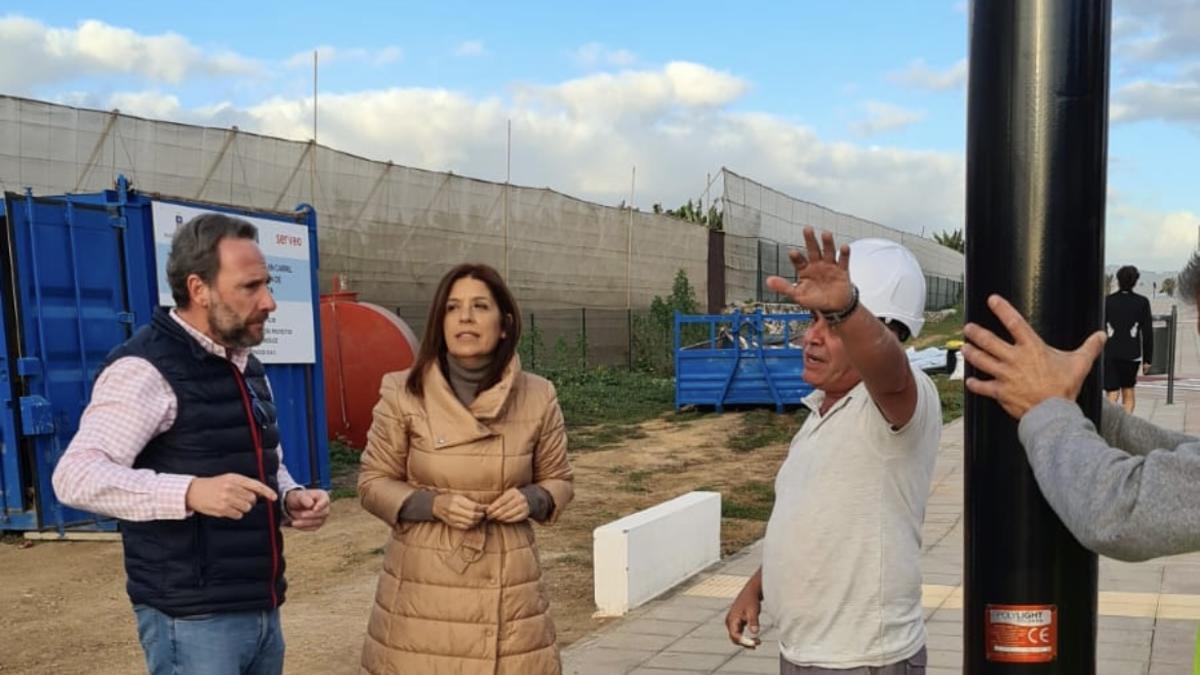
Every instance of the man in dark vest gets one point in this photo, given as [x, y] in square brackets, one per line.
[181, 443]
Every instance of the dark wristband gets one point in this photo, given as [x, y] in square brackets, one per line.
[834, 318]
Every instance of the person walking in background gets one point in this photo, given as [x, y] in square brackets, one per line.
[1130, 338]
[464, 451]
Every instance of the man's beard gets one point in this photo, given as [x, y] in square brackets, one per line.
[229, 329]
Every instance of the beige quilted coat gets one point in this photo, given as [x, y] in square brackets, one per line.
[453, 601]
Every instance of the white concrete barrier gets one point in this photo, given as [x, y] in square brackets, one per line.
[644, 554]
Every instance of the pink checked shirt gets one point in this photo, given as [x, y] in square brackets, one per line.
[131, 404]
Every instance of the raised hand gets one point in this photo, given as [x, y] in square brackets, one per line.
[822, 275]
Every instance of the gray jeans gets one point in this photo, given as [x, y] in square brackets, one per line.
[914, 665]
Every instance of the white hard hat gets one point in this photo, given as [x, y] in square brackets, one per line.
[890, 282]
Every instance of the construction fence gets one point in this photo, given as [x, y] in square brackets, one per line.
[761, 224]
[390, 231]
[582, 272]
[586, 337]
[772, 259]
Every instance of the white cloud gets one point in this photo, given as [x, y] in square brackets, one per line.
[1126, 27]
[1174, 101]
[1157, 30]
[154, 104]
[390, 54]
[621, 57]
[1151, 239]
[594, 54]
[920, 75]
[37, 54]
[302, 59]
[1156, 61]
[328, 54]
[470, 48]
[151, 104]
[640, 95]
[884, 117]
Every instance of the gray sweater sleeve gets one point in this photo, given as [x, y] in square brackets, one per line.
[541, 504]
[418, 507]
[1134, 434]
[1125, 506]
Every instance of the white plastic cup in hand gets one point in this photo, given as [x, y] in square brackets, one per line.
[749, 638]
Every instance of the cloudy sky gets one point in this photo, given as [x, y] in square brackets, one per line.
[858, 106]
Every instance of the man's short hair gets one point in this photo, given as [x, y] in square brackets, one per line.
[1127, 277]
[194, 250]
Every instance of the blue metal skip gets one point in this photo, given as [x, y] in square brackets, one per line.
[739, 362]
[79, 277]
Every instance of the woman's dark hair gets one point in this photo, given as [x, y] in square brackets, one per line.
[433, 345]
[1127, 277]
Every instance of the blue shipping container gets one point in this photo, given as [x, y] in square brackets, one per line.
[79, 277]
[742, 359]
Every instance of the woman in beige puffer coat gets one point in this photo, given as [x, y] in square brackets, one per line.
[464, 450]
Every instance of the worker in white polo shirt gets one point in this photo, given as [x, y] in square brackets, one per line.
[841, 570]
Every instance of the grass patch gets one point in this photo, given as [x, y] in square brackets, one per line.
[688, 416]
[343, 469]
[635, 481]
[599, 396]
[604, 406]
[749, 501]
[577, 560]
[593, 438]
[936, 333]
[951, 394]
[342, 493]
[342, 457]
[760, 428]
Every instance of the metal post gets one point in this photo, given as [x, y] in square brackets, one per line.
[315, 59]
[312, 159]
[1036, 171]
[532, 342]
[507, 180]
[1173, 323]
[583, 347]
[629, 243]
[775, 296]
[629, 334]
[758, 245]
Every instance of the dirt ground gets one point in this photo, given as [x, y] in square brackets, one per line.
[63, 607]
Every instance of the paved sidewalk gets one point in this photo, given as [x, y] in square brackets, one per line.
[1148, 611]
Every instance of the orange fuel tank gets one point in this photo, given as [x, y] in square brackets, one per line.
[361, 343]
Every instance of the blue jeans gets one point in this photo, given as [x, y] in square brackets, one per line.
[234, 643]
